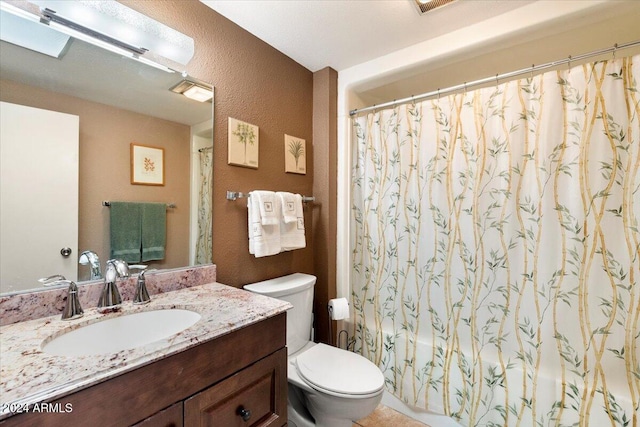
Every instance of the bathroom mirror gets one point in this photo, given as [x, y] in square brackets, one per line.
[119, 102]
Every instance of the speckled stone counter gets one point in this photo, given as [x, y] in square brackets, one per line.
[28, 375]
[45, 302]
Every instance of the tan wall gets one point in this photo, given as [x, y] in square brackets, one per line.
[105, 136]
[257, 84]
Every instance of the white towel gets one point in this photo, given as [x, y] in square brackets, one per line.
[264, 240]
[267, 201]
[288, 206]
[292, 232]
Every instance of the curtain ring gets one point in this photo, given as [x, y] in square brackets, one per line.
[615, 47]
[465, 87]
[532, 67]
[569, 62]
[497, 82]
[438, 94]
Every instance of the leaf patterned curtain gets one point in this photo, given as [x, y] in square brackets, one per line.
[204, 244]
[495, 249]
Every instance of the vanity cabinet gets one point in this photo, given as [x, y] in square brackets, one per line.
[248, 398]
[169, 417]
[238, 379]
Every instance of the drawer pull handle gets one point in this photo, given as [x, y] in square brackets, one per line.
[245, 414]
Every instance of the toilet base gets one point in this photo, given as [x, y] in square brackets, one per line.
[297, 414]
[309, 408]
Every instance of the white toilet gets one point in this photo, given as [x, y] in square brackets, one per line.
[328, 386]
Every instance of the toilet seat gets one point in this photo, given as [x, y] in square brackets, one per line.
[339, 372]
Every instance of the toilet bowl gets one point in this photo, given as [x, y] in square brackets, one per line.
[337, 387]
[328, 386]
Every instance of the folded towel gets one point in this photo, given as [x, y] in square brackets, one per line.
[250, 214]
[267, 202]
[154, 230]
[125, 231]
[264, 240]
[292, 232]
[288, 206]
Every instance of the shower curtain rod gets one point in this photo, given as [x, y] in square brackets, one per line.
[496, 78]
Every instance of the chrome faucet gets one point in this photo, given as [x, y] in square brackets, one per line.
[142, 295]
[91, 258]
[110, 298]
[72, 308]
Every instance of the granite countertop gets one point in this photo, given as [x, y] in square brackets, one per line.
[28, 375]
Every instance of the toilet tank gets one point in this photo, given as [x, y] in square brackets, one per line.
[296, 289]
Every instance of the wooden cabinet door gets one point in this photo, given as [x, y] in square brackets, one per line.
[255, 396]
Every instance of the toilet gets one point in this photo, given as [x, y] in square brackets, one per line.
[328, 386]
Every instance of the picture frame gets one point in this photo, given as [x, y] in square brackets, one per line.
[295, 155]
[147, 165]
[243, 144]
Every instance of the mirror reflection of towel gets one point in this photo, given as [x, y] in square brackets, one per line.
[138, 231]
[154, 230]
[125, 231]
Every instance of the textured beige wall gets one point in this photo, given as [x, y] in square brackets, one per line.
[105, 136]
[255, 83]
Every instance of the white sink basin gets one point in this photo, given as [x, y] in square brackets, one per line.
[121, 333]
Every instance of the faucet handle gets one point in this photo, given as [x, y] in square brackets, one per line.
[142, 295]
[56, 279]
[72, 309]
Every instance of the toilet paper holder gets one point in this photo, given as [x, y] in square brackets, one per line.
[338, 309]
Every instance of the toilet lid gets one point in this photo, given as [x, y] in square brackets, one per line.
[339, 371]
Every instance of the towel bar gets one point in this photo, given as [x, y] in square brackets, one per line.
[108, 204]
[235, 195]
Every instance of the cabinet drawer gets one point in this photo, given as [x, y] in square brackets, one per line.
[255, 396]
[169, 417]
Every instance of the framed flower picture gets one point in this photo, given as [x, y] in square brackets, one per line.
[147, 165]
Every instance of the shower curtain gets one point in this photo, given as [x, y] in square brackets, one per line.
[204, 244]
[495, 249]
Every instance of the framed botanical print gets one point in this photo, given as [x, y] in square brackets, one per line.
[147, 165]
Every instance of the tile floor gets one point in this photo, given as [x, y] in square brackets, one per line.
[384, 416]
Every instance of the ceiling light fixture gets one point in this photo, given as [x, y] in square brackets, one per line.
[75, 30]
[25, 30]
[111, 26]
[7, 7]
[50, 17]
[198, 93]
[192, 90]
[86, 36]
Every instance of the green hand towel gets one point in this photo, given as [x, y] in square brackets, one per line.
[126, 234]
[154, 231]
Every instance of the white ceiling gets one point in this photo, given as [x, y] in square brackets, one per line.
[344, 33]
